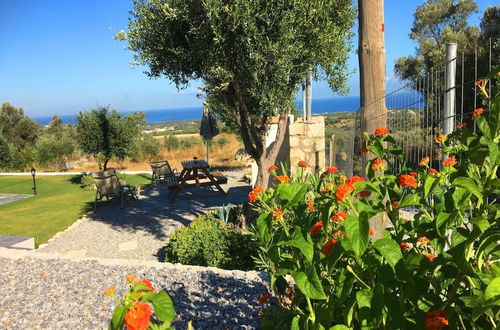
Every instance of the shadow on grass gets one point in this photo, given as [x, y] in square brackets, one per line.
[76, 179]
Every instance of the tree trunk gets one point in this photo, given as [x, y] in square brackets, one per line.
[372, 66]
[105, 165]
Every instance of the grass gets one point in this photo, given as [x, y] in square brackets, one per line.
[59, 202]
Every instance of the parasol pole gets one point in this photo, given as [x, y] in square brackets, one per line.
[207, 150]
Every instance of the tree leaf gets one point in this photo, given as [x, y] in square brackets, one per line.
[163, 306]
[357, 232]
[308, 282]
[389, 249]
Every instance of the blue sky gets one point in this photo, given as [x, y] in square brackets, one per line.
[58, 57]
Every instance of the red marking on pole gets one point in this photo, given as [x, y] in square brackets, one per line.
[382, 27]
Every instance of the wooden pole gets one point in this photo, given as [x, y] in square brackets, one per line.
[372, 66]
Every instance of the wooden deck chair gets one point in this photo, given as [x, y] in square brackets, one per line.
[108, 185]
[161, 170]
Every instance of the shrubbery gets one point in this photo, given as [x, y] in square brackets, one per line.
[150, 147]
[171, 142]
[87, 182]
[209, 242]
[189, 142]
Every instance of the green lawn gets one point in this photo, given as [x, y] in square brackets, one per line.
[60, 202]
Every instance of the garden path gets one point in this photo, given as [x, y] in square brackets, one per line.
[140, 229]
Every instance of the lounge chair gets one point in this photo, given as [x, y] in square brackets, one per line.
[161, 171]
[108, 185]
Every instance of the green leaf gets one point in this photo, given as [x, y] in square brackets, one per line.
[292, 193]
[364, 298]
[302, 242]
[163, 306]
[265, 226]
[410, 200]
[492, 293]
[308, 282]
[469, 185]
[389, 249]
[339, 327]
[481, 222]
[485, 242]
[357, 232]
[429, 184]
[118, 317]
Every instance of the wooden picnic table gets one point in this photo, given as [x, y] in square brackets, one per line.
[196, 173]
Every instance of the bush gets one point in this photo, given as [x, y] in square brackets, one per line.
[52, 150]
[171, 142]
[207, 242]
[150, 147]
[87, 182]
[221, 141]
[189, 142]
[5, 157]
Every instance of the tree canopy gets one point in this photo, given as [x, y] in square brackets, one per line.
[105, 134]
[17, 129]
[250, 55]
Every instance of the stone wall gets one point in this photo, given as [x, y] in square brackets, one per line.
[307, 142]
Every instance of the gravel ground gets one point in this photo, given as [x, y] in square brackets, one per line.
[139, 229]
[67, 294]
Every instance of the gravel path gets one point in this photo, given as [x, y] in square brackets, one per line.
[141, 228]
[67, 294]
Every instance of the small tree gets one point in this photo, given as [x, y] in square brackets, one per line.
[171, 142]
[105, 134]
[52, 149]
[150, 146]
[5, 158]
[17, 129]
[250, 55]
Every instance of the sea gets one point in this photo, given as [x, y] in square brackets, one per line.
[319, 106]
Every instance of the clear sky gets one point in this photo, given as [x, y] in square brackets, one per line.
[59, 57]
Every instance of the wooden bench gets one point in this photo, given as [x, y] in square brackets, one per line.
[172, 182]
[219, 177]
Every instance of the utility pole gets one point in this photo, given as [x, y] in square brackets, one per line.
[372, 66]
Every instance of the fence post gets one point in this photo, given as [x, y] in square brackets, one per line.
[449, 99]
[332, 151]
[309, 97]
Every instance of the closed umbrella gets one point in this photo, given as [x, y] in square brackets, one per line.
[208, 128]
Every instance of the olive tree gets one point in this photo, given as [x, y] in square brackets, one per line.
[250, 55]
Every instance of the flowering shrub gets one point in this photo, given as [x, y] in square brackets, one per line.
[356, 261]
[135, 312]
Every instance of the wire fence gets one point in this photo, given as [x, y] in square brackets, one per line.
[415, 113]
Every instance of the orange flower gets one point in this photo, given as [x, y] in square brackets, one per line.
[258, 190]
[432, 171]
[371, 232]
[364, 193]
[477, 112]
[110, 291]
[252, 197]
[302, 164]
[352, 180]
[339, 216]
[137, 317]
[316, 228]
[413, 173]
[377, 164]
[450, 161]
[310, 205]
[272, 168]
[364, 151]
[130, 279]
[282, 179]
[332, 169]
[406, 181]
[343, 190]
[424, 161]
[429, 256]
[463, 125]
[146, 283]
[395, 204]
[327, 248]
[441, 138]
[265, 297]
[381, 131]
[435, 320]
[424, 241]
[479, 82]
[406, 246]
[277, 214]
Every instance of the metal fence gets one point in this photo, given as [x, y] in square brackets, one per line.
[431, 104]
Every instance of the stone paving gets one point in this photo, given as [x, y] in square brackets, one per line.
[140, 229]
[8, 198]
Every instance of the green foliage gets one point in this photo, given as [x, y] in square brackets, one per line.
[150, 146]
[5, 157]
[221, 141]
[52, 149]
[189, 142]
[104, 134]
[87, 182]
[442, 261]
[171, 142]
[17, 129]
[208, 242]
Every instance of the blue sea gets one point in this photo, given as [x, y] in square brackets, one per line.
[319, 106]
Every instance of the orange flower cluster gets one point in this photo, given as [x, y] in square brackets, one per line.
[110, 291]
[282, 179]
[406, 181]
[424, 241]
[371, 232]
[463, 125]
[252, 196]
[432, 171]
[395, 204]
[332, 169]
[435, 320]
[272, 168]
[146, 283]
[364, 193]
[137, 317]
[364, 150]
[353, 179]
[327, 248]
[441, 138]
[310, 205]
[265, 297]
[450, 161]
[429, 256]
[424, 161]
[339, 216]
[377, 164]
[479, 82]
[130, 279]
[302, 164]
[316, 228]
[346, 188]
[477, 112]
[406, 246]
[380, 131]
[277, 214]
